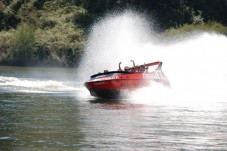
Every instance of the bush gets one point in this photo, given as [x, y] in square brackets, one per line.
[207, 27]
[22, 45]
[57, 39]
[4, 45]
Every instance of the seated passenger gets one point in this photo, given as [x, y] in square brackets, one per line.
[137, 69]
[146, 69]
[142, 68]
[126, 68]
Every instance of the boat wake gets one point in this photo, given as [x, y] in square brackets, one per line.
[28, 85]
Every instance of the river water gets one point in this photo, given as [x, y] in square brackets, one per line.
[49, 109]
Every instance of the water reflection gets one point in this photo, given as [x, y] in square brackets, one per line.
[123, 126]
[40, 121]
[64, 122]
[109, 104]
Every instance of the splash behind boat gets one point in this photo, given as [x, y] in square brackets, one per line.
[115, 84]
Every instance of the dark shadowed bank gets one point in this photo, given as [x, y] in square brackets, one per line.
[54, 32]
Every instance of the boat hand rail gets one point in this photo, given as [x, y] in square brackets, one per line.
[159, 63]
[153, 63]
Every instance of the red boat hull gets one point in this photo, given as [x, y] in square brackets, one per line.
[117, 84]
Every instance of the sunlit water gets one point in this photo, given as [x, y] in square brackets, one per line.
[49, 109]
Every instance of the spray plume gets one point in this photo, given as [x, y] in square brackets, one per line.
[196, 66]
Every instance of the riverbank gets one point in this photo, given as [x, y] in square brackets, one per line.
[54, 33]
[27, 46]
[212, 27]
[49, 33]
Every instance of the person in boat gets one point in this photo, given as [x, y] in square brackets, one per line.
[119, 67]
[142, 69]
[145, 69]
[136, 69]
[127, 68]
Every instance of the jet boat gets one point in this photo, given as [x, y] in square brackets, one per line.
[116, 84]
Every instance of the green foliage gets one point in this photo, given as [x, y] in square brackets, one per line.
[60, 45]
[5, 39]
[48, 24]
[187, 28]
[213, 10]
[197, 19]
[8, 21]
[14, 6]
[53, 32]
[22, 45]
[60, 38]
[82, 19]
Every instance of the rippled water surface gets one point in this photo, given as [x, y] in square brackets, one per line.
[48, 109]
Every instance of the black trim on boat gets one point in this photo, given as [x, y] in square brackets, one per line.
[109, 93]
[110, 73]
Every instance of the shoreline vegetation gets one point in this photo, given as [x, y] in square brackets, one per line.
[54, 32]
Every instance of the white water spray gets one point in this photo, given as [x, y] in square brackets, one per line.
[196, 66]
[14, 84]
[114, 39]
